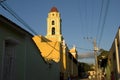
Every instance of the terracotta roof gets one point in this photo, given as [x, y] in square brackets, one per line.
[54, 9]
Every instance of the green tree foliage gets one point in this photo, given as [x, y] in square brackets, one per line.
[102, 58]
[83, 69]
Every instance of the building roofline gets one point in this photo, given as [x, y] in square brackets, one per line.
[116, 36]
[13, 25]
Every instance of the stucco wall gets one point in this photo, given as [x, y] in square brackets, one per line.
[8, 33]
[37, 68]
[29, 64]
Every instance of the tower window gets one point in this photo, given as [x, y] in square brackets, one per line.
[53, 31]
[53, 22]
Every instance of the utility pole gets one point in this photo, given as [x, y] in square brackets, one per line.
[95, 49]
[95, 55]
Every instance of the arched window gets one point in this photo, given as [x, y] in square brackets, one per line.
[53, 22]
[53, 31]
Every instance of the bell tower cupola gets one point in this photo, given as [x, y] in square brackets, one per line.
[54, 25]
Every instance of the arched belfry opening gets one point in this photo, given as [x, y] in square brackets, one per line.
[53, 22]
[53, 31]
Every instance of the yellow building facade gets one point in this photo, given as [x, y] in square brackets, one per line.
[53, 46]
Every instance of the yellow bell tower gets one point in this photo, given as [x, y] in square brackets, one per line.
[54, 25]
[50, 46]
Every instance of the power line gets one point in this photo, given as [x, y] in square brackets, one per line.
[80, 15]
[104, 21]
[81, 48]
[91, 18]
[100, 17]
[5, 6]
[2, 1]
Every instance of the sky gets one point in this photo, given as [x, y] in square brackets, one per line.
[81, 20]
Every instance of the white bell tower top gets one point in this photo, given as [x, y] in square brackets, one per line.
[54, 24]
